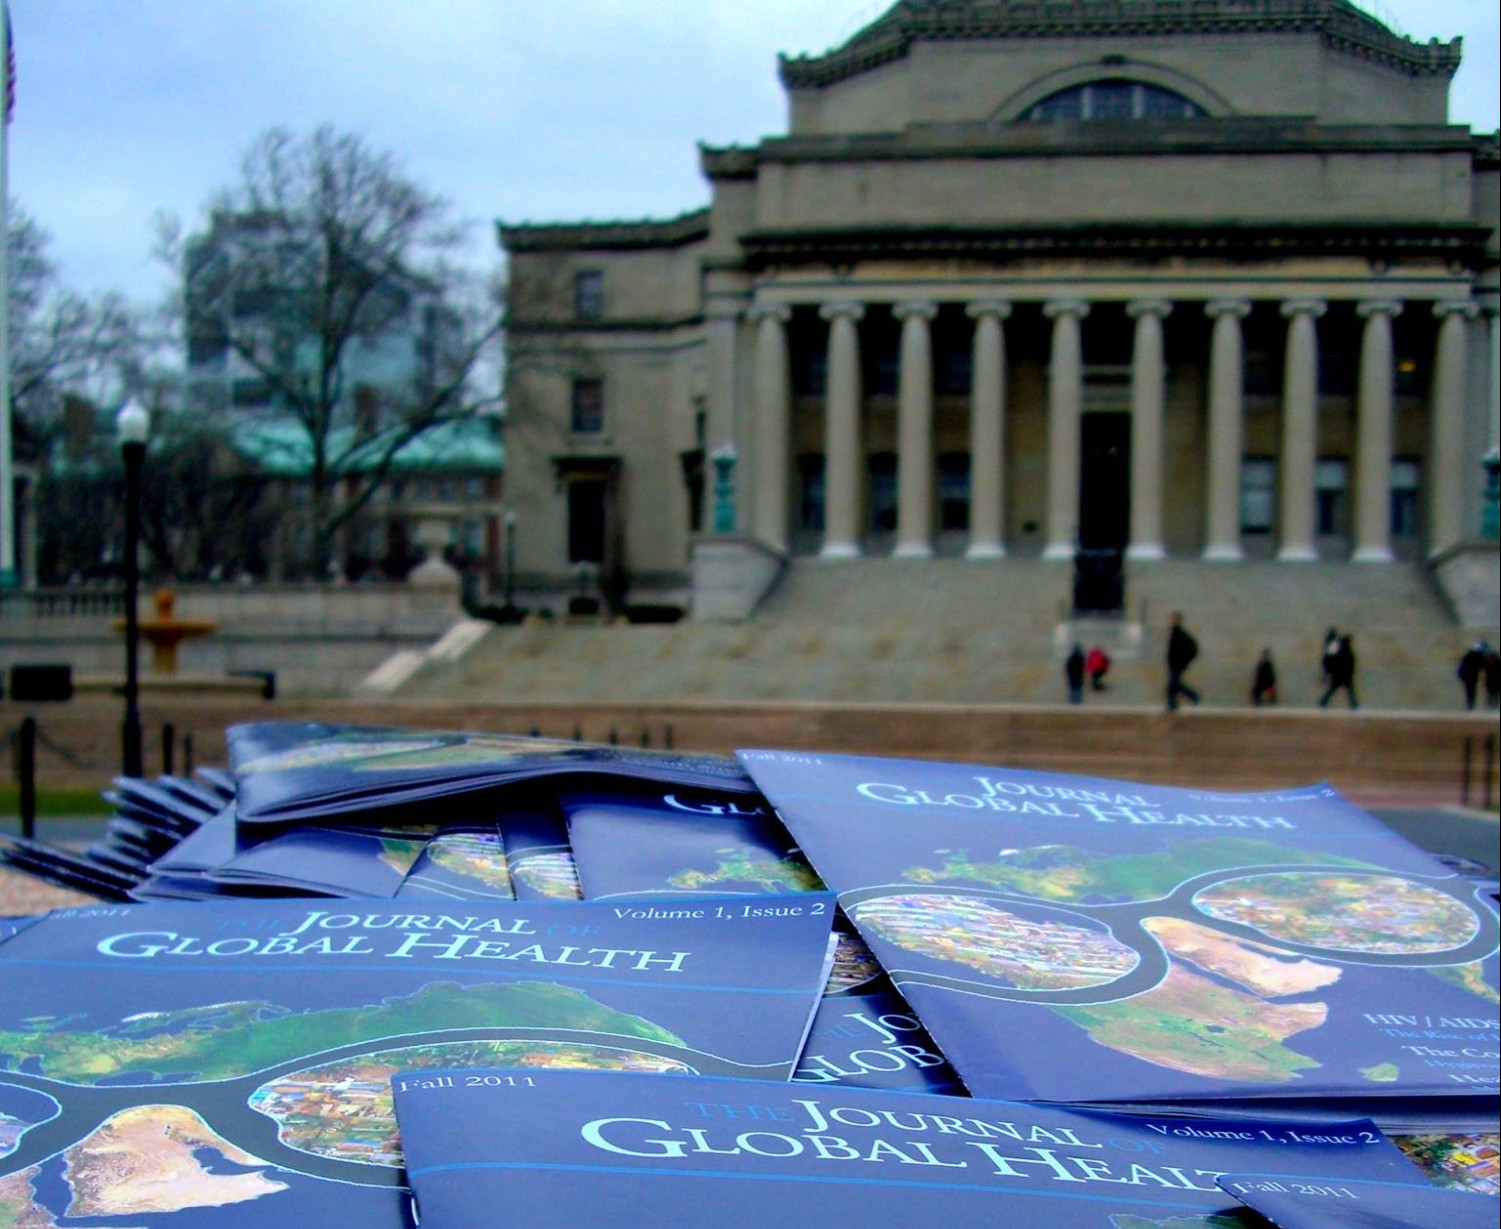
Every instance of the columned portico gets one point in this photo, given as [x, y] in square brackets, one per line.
[914, 483]
[1148, 382]
[773, 425]
[1300, 400]
[1065, 400]
[843, 455]
[1226, 428]
[1373, 433]
[1446, 425]
[987, 431]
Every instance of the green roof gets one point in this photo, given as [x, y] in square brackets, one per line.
[283, 448]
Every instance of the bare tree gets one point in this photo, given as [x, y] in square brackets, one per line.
[61, 342]
[323, 292]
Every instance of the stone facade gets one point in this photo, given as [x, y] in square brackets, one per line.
[1212, 280]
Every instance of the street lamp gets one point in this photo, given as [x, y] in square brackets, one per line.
[510, 561]
[132, 425]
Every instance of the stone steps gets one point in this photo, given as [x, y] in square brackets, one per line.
[955, 631]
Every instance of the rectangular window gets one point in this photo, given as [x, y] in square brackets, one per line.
[1331, 489]
[589, 295]
[882, 467]
[1258, 495]
[588, 407]
[1406, 476]
[953, 491]
[810, 473]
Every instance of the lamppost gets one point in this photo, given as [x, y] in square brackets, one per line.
[132, 425]
[510, 560]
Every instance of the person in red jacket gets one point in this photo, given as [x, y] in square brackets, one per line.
[1097, 666]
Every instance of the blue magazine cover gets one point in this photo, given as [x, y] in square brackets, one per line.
[1094, 941]
[462, 862]
[635, 840]
[1322, 1203]
[537, 851]
[288, 771]
[570, 1150]
[226, 1065]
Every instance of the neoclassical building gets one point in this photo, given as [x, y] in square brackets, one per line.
[1212, 279]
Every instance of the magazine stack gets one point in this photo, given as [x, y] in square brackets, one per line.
[368, 977]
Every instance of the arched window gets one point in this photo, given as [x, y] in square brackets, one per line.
[1114, 99]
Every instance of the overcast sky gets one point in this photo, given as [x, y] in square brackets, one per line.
[517, 110]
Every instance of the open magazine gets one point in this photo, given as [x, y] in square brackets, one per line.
[306, 770]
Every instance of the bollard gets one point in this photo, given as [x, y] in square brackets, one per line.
[645, 737]
[187, 754]
[614, 737]
[667, 737]
[169, 747]
[26, 768]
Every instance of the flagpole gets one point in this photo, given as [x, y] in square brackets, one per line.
[7, 481]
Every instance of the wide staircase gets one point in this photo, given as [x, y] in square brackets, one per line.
[953, 631]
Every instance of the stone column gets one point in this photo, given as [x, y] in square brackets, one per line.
[987, 432]
[773, 425]
[1300, 421]
[1493, 377]
[1445, 478]
[1226, 428]
[843, 455]
[914, 474]
[1065, 400]
[1148, 379]
[1373, 434]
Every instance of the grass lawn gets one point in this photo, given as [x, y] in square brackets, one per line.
[56, 800]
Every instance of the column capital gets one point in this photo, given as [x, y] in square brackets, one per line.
[999, 308]
[1367, 308]
[1160, 308]
[914, 307]
[1054, 308]
[1239, 308]
[780, 312]
[849, 310]
[1304, 307]
[1467, 308]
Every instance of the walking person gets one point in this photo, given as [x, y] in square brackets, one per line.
[1471, 670]
[1342, 673]
[1182, 648]
[1073, 672]
[1326, 655]
[1264, 680]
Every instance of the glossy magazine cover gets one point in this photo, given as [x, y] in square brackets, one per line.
[1085, 940]
[561, 1150]
[288, 771]
[226, 1065]
[1323, 1203]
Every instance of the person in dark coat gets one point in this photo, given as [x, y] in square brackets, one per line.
[1182, 648]
[1326, 655]
[1342, 673]
[1073, 671]
[1471, 670]
[1264, 680]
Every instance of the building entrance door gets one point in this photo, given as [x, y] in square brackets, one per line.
[1104, 511]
